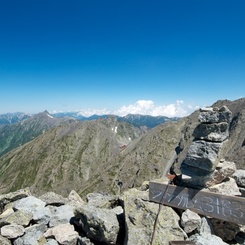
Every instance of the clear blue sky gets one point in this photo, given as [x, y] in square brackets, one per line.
[118, 55]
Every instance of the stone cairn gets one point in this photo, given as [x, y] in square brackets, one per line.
[204, 166]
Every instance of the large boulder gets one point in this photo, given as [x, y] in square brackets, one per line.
[147, 220]
[13, 196]
[102, 200]
[99, 224]
[216, 132]
[65, 234]
[203, 155]
[190, 221]
[215, 115]
[239, 176]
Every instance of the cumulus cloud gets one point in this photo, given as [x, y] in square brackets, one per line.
[90, 112]
[148, 107]
[145, 107]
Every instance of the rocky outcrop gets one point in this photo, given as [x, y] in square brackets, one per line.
[203, 163]
[140, 215]
[105, 219]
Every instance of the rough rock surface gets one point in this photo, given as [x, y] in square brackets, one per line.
[190, 221]
[98, 223]
[137, 221]
[203, 163]
[140, 215]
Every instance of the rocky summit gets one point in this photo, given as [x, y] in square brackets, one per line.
[88, 182]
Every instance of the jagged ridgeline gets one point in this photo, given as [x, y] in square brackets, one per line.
[105, 155]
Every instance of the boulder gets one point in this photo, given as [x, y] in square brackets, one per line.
[32, 236]
[4, 241]
[239, 176]
[12, 231]
[42, 215]
[228, 187]
[223, 171]
[207, 240]
[203, 155]
[29, 204]
[6, 213]
[61, 215]
[98, 223]
[216, 132]
[13, 196]
[215, 116]
[51, 242]
[102, 200]
[20, 217]
[146, 220]
[74, 199]
[190, 221]
[206, 227]
[64, 234]
[51, 198]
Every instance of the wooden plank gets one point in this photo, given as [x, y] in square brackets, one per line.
[223, 207]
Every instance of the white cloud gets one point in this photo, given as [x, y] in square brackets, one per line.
[90, 112]
[146, 107]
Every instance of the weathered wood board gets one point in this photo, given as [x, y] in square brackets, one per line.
[223, 207]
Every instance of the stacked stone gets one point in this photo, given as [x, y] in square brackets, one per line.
[203, 164]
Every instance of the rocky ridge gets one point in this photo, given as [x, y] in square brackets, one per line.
[130, 218]
[25, 130]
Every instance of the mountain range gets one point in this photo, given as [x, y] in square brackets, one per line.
[107, 154]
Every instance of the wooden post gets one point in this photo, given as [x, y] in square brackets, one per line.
[223, 207]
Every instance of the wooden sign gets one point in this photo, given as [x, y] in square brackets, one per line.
[223, 207]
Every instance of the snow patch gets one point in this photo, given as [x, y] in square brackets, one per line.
[114, 129]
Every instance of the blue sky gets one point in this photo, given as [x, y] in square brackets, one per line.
[150, 57]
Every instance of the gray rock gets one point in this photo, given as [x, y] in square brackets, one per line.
[64, 234]
[207, 240]
[20, 217]
[85, 241]
[203, 155]
[216, 132]
[228, 187]
[102, 200]
[51, 242]
[223, 171]
[42, 215]
[99, 224]
[215, 116]
[141, 215]
[239, 176]
[190, 221]
[32, 236]
[206, 227]
[51, 198]
[202, 179]
[6, 213]
[4, 241]
[12, 231]
[30, 204]
[61, 215]
[13, 196]
[74, 199]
